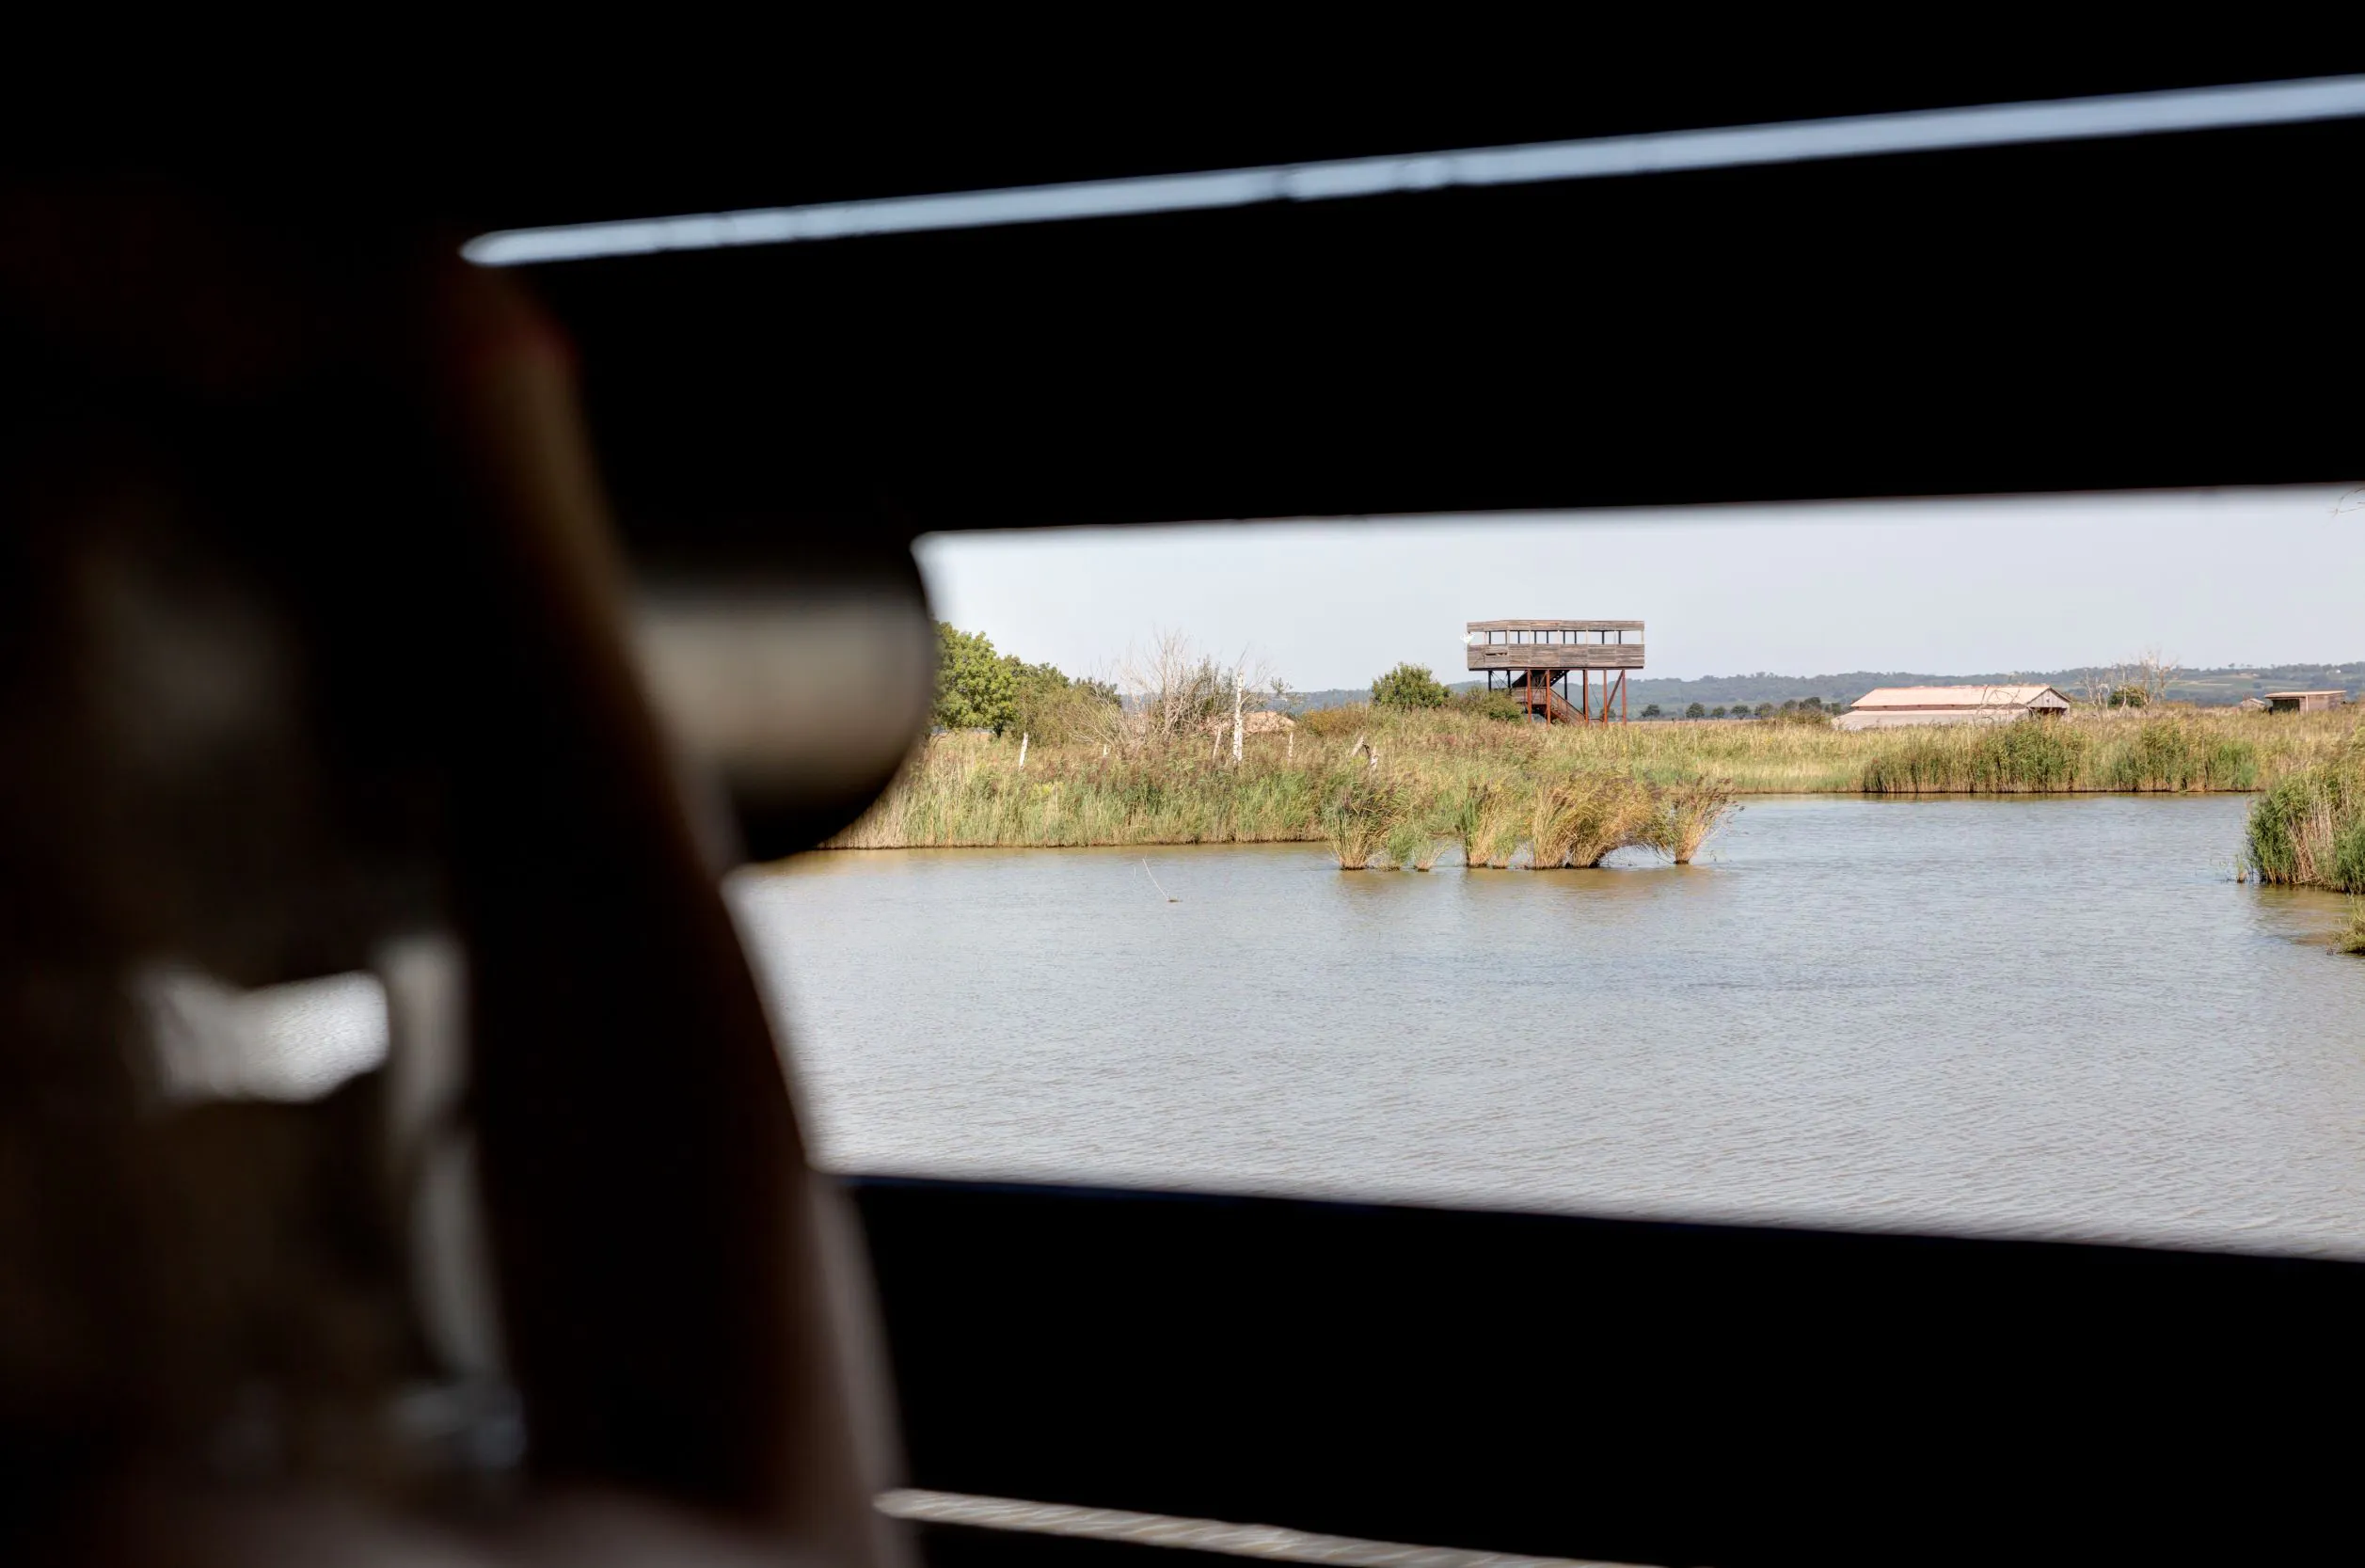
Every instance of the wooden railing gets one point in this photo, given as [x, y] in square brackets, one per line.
[1556, 656]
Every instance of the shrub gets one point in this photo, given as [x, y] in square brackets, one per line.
[1327, 723]
[1765, 710]
[2129, 696]
[1500, 705]
[1408, 685]
[974, 686]
[1651, 711]
[1057, 710]
[1695, 711]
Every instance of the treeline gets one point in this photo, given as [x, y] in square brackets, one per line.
[1169, 691]
[1809, 708]
[1673, 698]
[979, 688]
[1413, 686]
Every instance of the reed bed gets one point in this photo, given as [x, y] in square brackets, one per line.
[2309, 830]
[1450, 782]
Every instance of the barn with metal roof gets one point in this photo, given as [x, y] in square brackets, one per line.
[1896, 707]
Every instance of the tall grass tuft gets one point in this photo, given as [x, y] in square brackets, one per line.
[1502, 815]
[2309, 830]
[1581, 820]
[1460, 814]
[1363, 814]
[1685, 814]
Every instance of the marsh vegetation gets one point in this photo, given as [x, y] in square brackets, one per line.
[1404, 786]
[2309, 828]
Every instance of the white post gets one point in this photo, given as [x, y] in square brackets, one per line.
[1290, 753]
[1235, 713]
[1022, 748]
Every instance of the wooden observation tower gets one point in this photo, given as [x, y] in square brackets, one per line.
[1550, 665]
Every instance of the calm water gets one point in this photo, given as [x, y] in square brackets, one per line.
[2049, 1017]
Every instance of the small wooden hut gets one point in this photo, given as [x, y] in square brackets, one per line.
[2306, 701]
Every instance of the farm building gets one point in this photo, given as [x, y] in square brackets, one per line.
[1896, 707]
[2253, 704]
[2306, 701]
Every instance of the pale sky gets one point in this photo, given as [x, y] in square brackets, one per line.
[2264, 577]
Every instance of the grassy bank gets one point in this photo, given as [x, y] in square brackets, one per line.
[1469, 779]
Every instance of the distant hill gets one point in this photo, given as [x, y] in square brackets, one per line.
[2220, 688]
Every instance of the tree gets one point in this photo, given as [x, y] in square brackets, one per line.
[1717, 712]
[1814, 705]
[2139, 682]
[1408, 685]
[1651, 711]
[1173, 691]
[1057, 709]
[974, 686]
[1766, 710]
[1695, 711]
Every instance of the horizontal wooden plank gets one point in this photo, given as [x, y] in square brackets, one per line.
[1556, 656]
[1554, 626]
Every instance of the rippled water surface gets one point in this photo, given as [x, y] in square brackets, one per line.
[2051, 1017]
